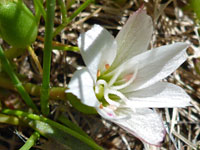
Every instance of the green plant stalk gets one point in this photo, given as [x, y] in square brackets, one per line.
[20, 113]
[38, 4]
[67, 48]
[64, 120]
[70, 3]
[56, 93]
[69, 19]
[37, 11]
[0, 104]
[18, 85]
[31, 141]
[47, 56]
[13, 120]
[63, 9]
[197, 68]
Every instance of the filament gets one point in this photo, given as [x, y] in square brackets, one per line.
[116, 75]
[110, 101]
[119, 87]
[100, 82]
[118, 94]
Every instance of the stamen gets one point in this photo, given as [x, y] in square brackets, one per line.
[119, 94]
[126, 109]
[99, 82]
[101, 106]
[113, 107]
[119, 87]
[107, 66]
[116, 75]
[109, 113]
[98, 73]
[114, 114]
[110, 101]
[129, 78]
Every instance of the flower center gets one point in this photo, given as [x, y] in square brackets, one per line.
[108, 91]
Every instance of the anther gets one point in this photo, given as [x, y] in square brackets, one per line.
[101, 106]
[98, 73]
[107, 66]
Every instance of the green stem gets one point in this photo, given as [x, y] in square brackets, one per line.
[20, 113]
[9, 119]
[56, 93]
[67, 48]
[64, 120]
[31, 141]
[20, 1]
[39, 10]
[69, 19]
[0, 104]
[47, 56]
[16, 81]
[70, 3]
[63, 9]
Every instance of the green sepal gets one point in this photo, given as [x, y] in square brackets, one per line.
[76, 103]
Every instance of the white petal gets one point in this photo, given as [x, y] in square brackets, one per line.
[156, 64]
[159, 95]
[134, 37]
[146, 125]
[82, 86]
[98, 47]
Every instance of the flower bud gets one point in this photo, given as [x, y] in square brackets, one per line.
[18, 26]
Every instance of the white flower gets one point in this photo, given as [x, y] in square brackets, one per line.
[122, 79]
